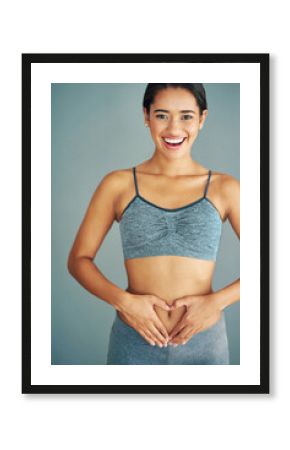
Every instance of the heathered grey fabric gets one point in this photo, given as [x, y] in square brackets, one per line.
[148, 230]
[127, 346]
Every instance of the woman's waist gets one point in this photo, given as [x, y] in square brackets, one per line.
[170, 291]
[170, 276]
[169, 318]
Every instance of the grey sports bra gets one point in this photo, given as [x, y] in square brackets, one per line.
[193, 230]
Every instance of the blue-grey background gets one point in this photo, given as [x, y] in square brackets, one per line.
[97, 128]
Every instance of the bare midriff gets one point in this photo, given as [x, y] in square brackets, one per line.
[169, 277]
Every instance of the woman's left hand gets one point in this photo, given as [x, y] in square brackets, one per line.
[202, 312]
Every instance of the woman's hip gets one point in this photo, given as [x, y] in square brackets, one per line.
[127, 346]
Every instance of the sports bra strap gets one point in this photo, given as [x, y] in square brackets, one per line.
[207, 183]
[135, 180]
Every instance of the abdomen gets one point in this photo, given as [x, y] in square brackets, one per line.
[169, 277]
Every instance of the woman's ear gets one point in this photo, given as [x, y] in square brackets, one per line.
[146, 117]
[202, 118]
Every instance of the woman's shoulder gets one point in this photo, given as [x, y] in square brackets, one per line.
[226, 180]
[118, 175]
[118, 179]
[225, 191]
[226, 186]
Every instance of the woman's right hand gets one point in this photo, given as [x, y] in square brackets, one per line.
[138, 311]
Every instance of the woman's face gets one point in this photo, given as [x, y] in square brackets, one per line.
[174, 116]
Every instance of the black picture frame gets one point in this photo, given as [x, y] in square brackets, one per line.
[261, 59]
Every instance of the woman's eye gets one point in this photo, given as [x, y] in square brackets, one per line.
[160, 115]
[189, 116]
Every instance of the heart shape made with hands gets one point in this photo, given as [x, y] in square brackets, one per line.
[178, 304]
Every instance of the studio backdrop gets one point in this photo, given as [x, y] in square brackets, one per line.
[97, 128]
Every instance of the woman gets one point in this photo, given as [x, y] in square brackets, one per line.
[170, 210]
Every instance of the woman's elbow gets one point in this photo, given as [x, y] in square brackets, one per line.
[70, 263]
[73, 261]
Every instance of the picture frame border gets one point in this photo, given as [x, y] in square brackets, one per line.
[27, 60]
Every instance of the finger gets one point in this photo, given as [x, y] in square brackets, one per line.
[189, 336]
[165, 339]
[161, 339]
[186, 338]
[197, 330]
[177, 329]
[157, 335]
[181, 336]
[147, 338]
[162, 304]
[163, 332]
[183, 332]
[161, 327]
[178, 303]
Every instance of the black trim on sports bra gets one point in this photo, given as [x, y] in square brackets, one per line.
[207, 183]
[135, 181]
[137, 195]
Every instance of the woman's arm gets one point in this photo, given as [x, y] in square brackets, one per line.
[204, 310]
[96, 223]
[231, 195]
[84, 270]
[99, 217]
[227, 296]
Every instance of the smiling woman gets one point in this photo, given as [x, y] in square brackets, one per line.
[170, 210]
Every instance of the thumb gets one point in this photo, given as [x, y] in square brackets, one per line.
[179, 302]
[162, 304]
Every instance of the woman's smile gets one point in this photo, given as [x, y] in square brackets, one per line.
[174, 144]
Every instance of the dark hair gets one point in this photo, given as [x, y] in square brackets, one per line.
[196, 89]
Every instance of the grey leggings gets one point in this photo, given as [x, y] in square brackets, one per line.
[127, 346]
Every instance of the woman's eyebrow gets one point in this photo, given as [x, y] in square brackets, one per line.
[166, 110]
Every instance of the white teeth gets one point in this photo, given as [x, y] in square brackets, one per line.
[173, 141]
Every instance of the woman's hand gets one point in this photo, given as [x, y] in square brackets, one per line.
[139, 313]
[202, 312]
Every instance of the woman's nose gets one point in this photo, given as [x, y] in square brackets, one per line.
[173, 127]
